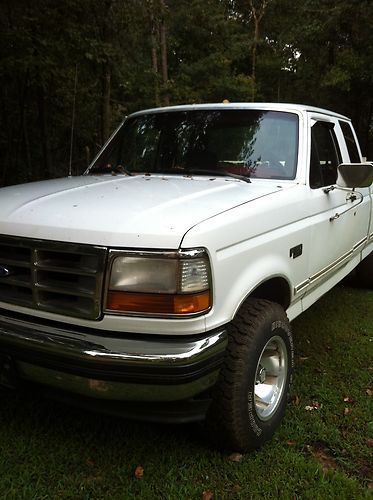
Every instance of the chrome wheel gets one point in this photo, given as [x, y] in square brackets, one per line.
[270, 379]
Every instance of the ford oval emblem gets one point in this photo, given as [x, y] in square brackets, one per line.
[5, 271]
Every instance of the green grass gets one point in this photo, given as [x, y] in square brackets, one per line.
[51, 451]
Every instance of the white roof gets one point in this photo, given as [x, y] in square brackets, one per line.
[273, 106]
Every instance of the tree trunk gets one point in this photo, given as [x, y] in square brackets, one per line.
[24, 126]
[27, 148]
[257, 14]
[154, 55]
[253, 57]
[366, 132]
[105, 103]
[46, 171]
[163, 46]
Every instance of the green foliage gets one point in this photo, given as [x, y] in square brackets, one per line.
[311, 51]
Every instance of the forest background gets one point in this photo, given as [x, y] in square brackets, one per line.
[91, 62]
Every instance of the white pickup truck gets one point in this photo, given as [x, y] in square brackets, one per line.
[162, 282]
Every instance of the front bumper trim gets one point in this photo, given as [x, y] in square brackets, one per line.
[123, 367]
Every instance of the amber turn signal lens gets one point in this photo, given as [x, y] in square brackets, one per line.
[158, 303]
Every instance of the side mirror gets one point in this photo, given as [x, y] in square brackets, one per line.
[355, 175]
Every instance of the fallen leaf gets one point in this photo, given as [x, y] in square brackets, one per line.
[303, 358]
[347, 411]
[296, 400]
[369, 442]
[235, 457]
[369, 391]
[314, 406]
[291, 443]
[139, 472]
[207, 495]
[347, 399]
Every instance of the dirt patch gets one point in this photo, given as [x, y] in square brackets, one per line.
[322, 454]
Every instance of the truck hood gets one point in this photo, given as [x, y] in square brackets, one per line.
[147, 211]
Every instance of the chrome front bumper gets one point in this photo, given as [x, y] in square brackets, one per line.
[120, 367]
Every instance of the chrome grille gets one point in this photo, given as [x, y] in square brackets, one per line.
[63, 278]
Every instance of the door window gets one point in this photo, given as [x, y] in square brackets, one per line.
[325, 155]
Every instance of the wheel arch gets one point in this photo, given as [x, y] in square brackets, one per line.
[275, 289]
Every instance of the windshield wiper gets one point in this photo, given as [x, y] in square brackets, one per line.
[217, 173]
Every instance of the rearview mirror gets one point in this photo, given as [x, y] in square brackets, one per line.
[355, 175]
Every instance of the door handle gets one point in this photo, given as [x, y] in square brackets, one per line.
[351, 197]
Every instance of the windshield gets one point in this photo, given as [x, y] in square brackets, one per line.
[239, 143]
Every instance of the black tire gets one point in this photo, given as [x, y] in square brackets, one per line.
[364, 273]
[237, 418]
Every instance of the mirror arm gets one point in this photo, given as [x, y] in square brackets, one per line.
[328, 189]
[335, 186]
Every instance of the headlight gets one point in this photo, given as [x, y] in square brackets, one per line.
[159, 283]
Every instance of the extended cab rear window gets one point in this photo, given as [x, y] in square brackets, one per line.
[350, 142]
[250, 143]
